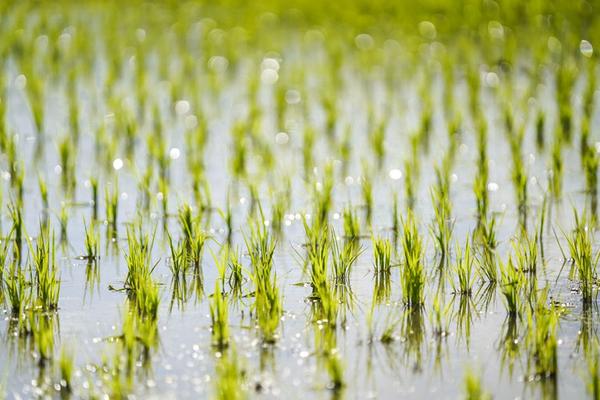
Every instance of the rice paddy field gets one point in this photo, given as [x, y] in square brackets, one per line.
[289, 199]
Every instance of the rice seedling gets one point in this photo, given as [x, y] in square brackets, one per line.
[236, 274]
[139, 282]
[378, 143]
[412, 272]
[46, 280]
[382, 250]
[556, 172]
[194, 237]
[16, 216]
[351, 224]
[323, 196]
[66, 367]
[219, 317]
[342, 259]
[486, 236]
[95, 200]
[230, 377]
[511, 283]
[442, 225]
[542, 340]
[473, 389]
[367, 195]
[526, 252]
[463, 268]
[111, 201]
[586, 262]
[66, 152]
[18, 290]
[91, 242]
[593, 380]
[267, 298]
[439, 317]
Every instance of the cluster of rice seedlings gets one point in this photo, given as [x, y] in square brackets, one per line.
[351, 224]
[194, 237]
[317, 260]
[140, 285]
[17, 290]
[526, 252]
[511, 283]
[412, 272]
[463, 269]
[268, 304]
[91, 242]
[486, 236]
[46, 280]
[542, 340]
[382, 250]
[342, 259]
[585, 261]
[219, 307]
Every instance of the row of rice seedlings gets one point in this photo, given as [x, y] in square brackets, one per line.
[268, 304]
[584, 260]
[412, 272]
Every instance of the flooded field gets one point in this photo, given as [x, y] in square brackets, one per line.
[299, 201]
